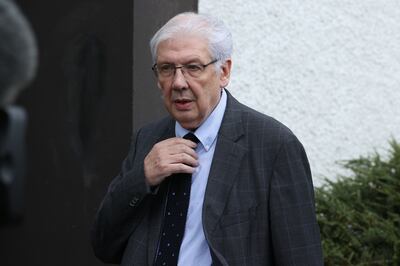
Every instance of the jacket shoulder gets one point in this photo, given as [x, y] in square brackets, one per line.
[255, 122]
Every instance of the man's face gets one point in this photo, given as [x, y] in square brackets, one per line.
[190, 100]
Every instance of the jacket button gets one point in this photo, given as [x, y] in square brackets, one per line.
[134, 202]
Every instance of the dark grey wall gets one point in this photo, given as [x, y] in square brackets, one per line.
[81, 110]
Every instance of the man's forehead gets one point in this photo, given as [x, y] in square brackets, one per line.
[183, 47]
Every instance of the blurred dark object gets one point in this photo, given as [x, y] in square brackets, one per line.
[12, 165]
[18, 62]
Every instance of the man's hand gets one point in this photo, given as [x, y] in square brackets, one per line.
[170, 156]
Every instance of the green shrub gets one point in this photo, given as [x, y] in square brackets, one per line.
[359, 215]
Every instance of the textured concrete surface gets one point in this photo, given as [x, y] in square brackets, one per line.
[330, 70]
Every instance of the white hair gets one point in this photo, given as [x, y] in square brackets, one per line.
[218, 36]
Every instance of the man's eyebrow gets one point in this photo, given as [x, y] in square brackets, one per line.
[193, 60]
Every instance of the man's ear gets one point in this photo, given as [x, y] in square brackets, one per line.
[225, 73]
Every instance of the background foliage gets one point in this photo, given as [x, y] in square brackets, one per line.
[359, 215]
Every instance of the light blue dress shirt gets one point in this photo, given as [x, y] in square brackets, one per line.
[194, 249]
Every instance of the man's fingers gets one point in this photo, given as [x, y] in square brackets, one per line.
[182, 149]
[184, 158]
[185, 142]
[180, 168]
[174, 146]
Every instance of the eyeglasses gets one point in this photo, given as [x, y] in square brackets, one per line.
[168, 70]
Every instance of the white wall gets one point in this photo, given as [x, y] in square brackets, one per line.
[328, 69]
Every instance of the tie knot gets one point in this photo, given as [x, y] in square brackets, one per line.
[192, 137]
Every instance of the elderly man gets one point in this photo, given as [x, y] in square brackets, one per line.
[214, 183]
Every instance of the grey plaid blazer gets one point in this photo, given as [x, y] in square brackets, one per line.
[259, 202]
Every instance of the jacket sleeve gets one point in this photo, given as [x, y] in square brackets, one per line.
[294, 229]
[121, 209]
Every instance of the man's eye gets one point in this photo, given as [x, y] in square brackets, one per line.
[166, 68]
[193, 67]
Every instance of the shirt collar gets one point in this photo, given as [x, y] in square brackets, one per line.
[208, 130]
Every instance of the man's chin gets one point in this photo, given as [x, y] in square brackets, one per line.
[187, 122]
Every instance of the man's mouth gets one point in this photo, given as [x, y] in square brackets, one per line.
[182, 101]
[182, 104]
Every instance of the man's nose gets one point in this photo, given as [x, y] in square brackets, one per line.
[179, 81]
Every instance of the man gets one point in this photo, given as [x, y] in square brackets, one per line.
[250, 196]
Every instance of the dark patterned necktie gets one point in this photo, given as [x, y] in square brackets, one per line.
[175, 216]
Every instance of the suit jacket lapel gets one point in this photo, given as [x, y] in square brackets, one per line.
[226, 162]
